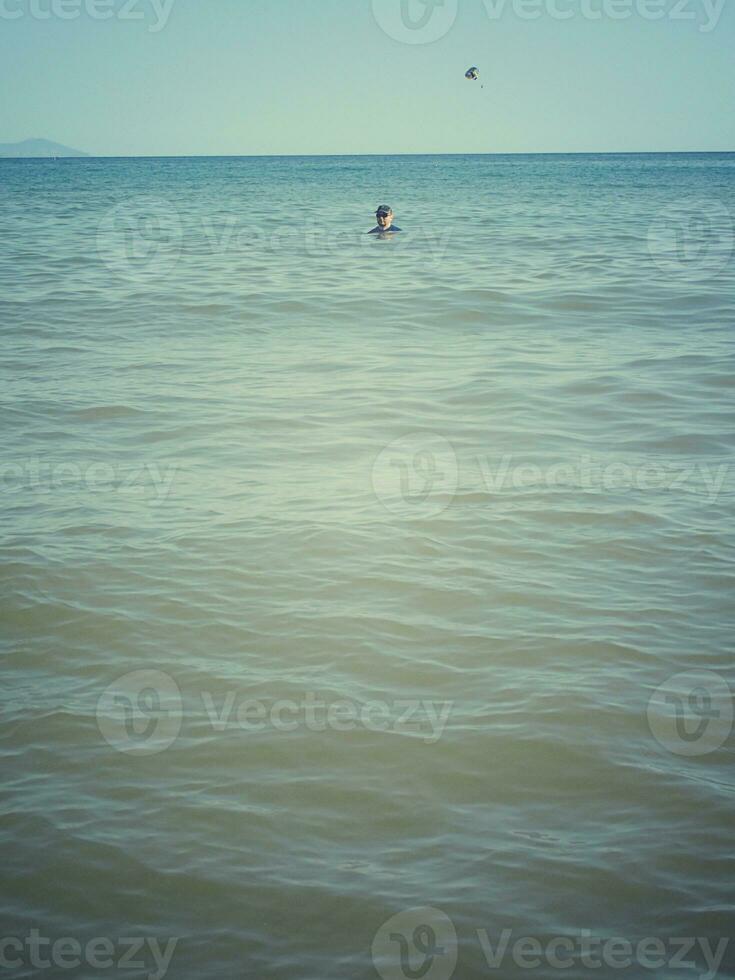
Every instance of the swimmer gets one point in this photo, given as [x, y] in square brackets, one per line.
[384, 216]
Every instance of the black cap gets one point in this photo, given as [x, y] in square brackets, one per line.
[384, 209]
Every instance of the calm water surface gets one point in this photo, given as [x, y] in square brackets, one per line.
[343, 577]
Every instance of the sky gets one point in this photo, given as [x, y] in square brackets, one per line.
[180, 77]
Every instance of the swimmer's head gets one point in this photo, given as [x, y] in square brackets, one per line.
[384, 215]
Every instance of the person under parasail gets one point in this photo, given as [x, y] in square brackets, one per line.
[384, 217]
[472, 74]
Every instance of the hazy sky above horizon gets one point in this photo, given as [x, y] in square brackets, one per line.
[368, 76]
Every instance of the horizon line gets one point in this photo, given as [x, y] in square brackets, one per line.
[238, 156]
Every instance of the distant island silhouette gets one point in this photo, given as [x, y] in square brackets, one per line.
[38, 148]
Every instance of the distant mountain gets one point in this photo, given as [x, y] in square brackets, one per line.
[38, 148]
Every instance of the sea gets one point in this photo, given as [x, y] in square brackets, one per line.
[367, 600]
